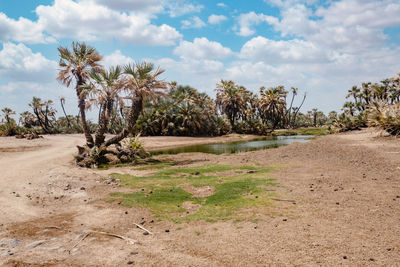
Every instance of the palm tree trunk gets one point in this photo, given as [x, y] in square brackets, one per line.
[82, 112]
[99, 136]
[136, 109]
[65, 114]
[289, 111]
[41, 123]
[295, 114]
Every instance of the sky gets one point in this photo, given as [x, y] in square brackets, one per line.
[320, 47]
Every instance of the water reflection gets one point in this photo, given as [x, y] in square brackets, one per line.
[239, 146]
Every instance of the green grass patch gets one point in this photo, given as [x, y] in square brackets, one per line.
[304, 131]
[163, 192]
[139, 164]
[155, 166]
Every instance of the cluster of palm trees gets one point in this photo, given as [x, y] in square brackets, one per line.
[125, 88]
[387, 90]
[183, 111]
[246, 110]
[372, 104]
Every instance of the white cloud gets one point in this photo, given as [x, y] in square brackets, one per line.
[116, 58]
[194, 22]
[248, 20]
[149, 6]
[288, 3]
[222, 5]
[348, 26]
[87, 20]
[19, 63]
[22, 30]
[216, 19]
[179, 8]
[69, 19]
[275, 52]
[202, 74]
[202, 48]
[191, 67]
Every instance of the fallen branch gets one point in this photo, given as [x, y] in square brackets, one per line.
[88, 232]
[57, 228]
[129, 240]
[141, 227]
[80, 240]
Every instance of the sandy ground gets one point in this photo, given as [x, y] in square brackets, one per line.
[344, 209]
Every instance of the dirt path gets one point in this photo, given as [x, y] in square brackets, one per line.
[346, 190]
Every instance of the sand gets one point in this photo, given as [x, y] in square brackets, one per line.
[346, 190]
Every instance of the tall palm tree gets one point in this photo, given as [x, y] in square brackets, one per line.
[37, 106]
[273, 104]
[142, 82]
[76, 65]
[104, 91]
[62, 102]
[289, 110]
[231, 99]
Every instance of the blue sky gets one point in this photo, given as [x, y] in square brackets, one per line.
[321, 47]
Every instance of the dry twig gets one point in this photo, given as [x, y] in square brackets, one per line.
[141, 227]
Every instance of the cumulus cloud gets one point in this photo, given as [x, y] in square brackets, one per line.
[248, 20]
[348, 26]
[149, 6]
[116, 58]
[22, 30]
[81, 20]
[19, 63]
[222, 5]
[216, 19]
[179, 8]
[90, 20]
[202, 48]
[193, 23]
[274, 52]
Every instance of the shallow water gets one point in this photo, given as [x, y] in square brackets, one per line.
[238, 146]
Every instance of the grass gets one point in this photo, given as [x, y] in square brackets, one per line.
[235, 188]
[140, 164]
[304, 131]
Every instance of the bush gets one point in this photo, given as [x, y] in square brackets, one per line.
[385, 116]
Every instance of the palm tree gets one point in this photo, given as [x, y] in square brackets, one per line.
[142, 82]
[349, 107]
[231, 99]
[289, 110]
[7, 113]
[76, 65]
[355, 93]
[273, 104]
[37, 106]
[104, 91]
[314, 114]
[62, 102]
[27, 119]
